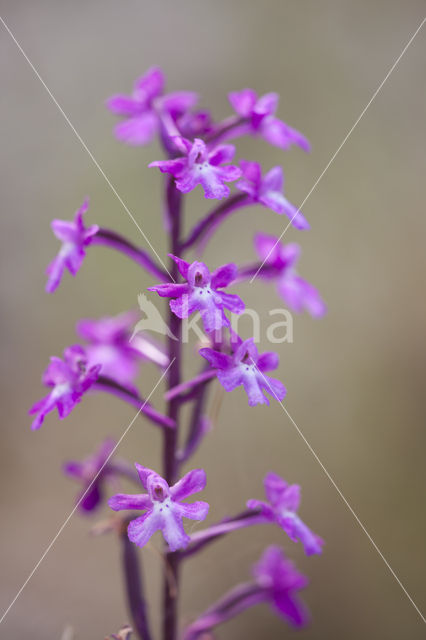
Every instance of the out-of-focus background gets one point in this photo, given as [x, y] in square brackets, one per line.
[355, 379]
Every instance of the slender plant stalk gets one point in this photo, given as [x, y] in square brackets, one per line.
[134, 587]
[170, 462]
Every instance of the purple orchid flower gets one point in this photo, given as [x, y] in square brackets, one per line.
[202, 293]
[268, 190]
[74, 237]
[70, 379]
[92, 473]
[142, 110]
[201, 165]
[163, 507]
[109, 346]
[261, 121]
[276, 581]
[246, 367]
[283, 503]
[297, 293]
[279, 581]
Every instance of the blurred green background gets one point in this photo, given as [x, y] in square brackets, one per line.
[355, 379]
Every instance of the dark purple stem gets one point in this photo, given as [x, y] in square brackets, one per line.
[233, 603]
[110, 386]
[224, 130]
[215, 217]
[134, 587]
[194, 436]
[170, 461]
[205, 537]
[108, 238]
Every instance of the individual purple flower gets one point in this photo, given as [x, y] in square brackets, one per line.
[69, 379]
[280, 581]
[91, 473]
[246, 367]
[258, 114]
[163, 507]
[74, 237]
[109, 346]
[202, 292]
[268, 190]
[201, 165]
[283, 503]
[280, 260]
[142, 110]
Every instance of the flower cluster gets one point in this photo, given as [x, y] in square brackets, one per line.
[196, 152]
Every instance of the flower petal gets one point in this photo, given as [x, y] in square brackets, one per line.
[192, 482]
[268, 361]
[194, 511]
[137, 130]
[123, 105]
[141, 529]
[170, 289]
[217, 359]
[224, 275]
[130, 501]
[243, 101]
[173, 531]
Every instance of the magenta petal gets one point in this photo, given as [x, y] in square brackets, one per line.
[232, 302]
[296, 529]
[291, 609]
[268, 361]
[215, 358]
[273, 386]
[243, 101]
[144, 473]
[141, 529]
[90, 498]
[138, 130]
[192, 482]
[179, 101]
[122, 105]
[275, 487]
[130, 501]
[151, 84]
[230, 378]
[173, 531]
[195, 510]
[224, 275]
[170, 290]
[183, 306]
[183, 265]
[222, 153]
[64, 230]
[267, 104]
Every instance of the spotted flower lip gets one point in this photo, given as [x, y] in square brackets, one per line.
[281, 508]
[201, 165]
[202, 292]
[246, 367]
[141, 109]
[74, 237]
[280, 581]
[69, 379]
[268, 190]
[281, 259]
[260, 120]
[91, 473]
[163, 507]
